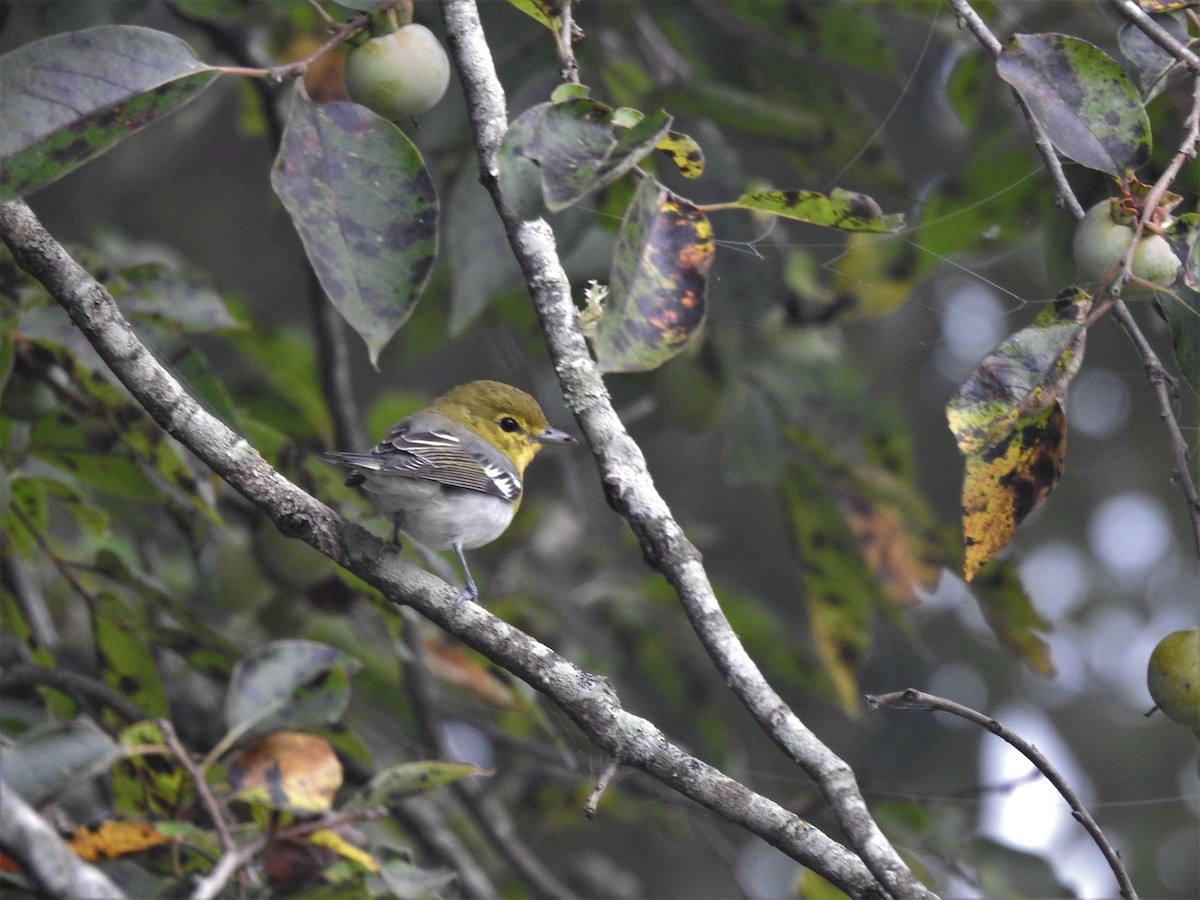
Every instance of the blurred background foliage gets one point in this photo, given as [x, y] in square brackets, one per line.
[801, 441]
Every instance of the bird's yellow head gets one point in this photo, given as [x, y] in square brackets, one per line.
[502, 415]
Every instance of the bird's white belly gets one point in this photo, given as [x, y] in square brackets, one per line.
[438, 516]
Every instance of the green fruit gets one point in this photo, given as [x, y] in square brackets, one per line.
[397, 75]
[1173, 677]
[1100, 241]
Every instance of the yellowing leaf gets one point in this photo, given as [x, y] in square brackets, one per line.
[115, 838]
[685, 154]
[892, 553]
[875, 274]
[847, 210]
[287, 770]
[1008, 480]
[1009, 423]
[548, 12]
[343, 848]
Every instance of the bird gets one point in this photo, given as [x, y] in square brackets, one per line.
[451, 475]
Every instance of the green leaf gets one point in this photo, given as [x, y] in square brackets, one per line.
[144, 785]
[1181, 306]
[1023, 376]
[15, 628]
[847, 210]
[1181, 309]
[69, 97]
[181, 299]
[1083, 99]
[365, 208]
[1009, 613]
[571, 149]
[1152, 63]
[838, 589]
[659, 275]
[408, 779]
[25, 514]
[548, 12]
[44, 762]
[288, 685]
[125, 658]
[105, 439]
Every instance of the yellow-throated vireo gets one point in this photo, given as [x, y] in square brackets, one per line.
[451, 476]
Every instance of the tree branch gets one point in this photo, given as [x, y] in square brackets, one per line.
[1157, 374]
[74, 684]
[627, 482]
[914, 699]
[1138, 17]
[585, 698]
[57, 872]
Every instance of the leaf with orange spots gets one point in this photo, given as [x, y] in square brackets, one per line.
[658, 280]
[287, 770]
[1009, 423]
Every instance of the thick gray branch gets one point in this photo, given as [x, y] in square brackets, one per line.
[586, 699]
[627, 482]
[50, 864]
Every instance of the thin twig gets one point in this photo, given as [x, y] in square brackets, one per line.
[50, 863]
[967, 17]
[914, 699]
[73, 684]
[492, 820]
[1158, 375]
[211, 805]
[602, 783]
[1159, 381]
[564, 42]
[1138, 17]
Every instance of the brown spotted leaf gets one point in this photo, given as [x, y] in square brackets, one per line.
[659, 276]
[1007, 480]
[1083, 99]
[365, 208]
[846, 210]
[288, 684]
[68, 98]
[557, 153]
[838, 589]
[287, 770]
[1008, 420]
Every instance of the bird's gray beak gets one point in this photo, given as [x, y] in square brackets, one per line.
[554, 436]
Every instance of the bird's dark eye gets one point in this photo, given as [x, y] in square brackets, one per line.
[508, 423]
